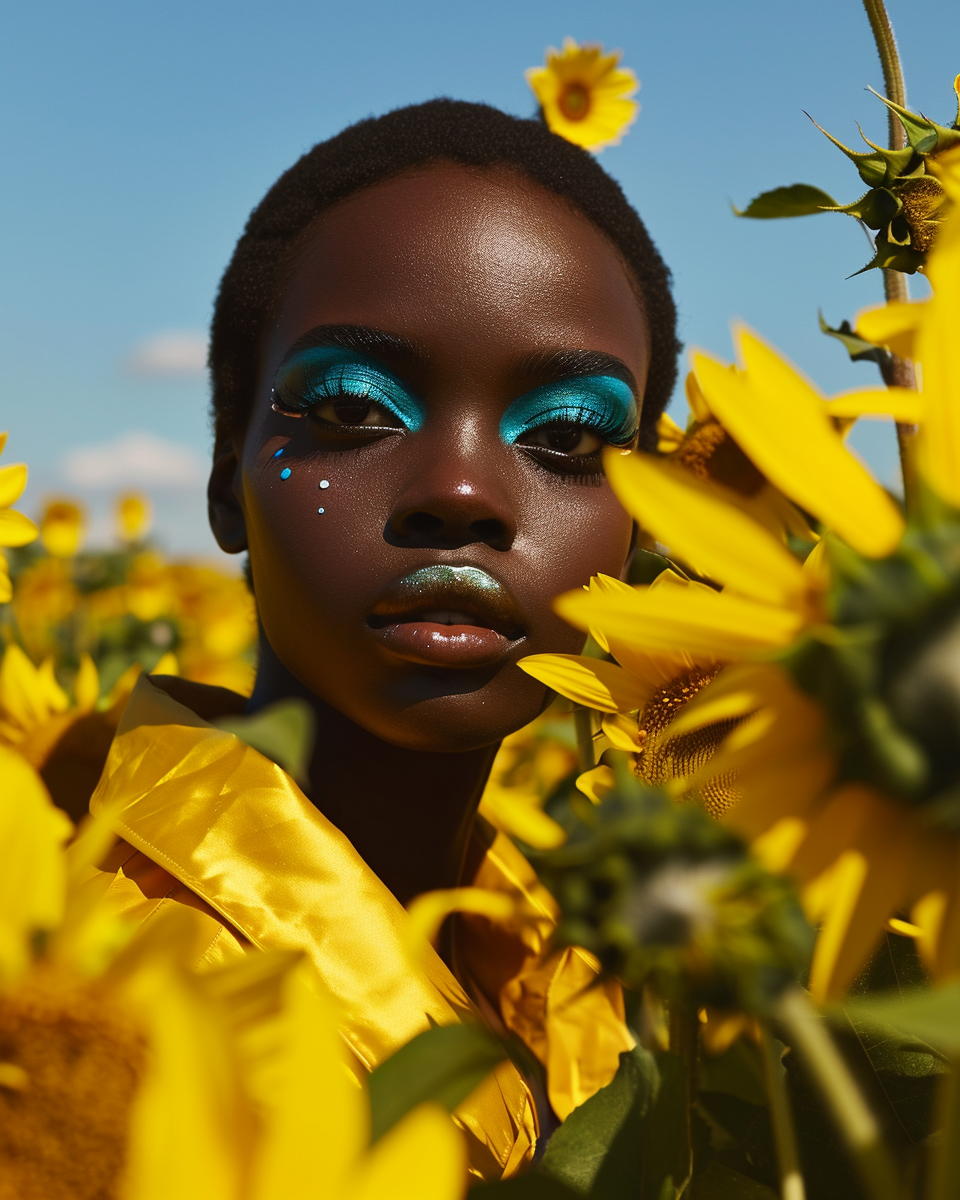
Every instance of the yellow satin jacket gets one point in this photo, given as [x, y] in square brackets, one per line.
[210, 824]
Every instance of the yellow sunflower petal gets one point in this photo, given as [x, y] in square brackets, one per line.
[596, 782]
[936, 349]
[893, 326]
[429, 911]
[15, 528]
[621, 731]
[899, 403]
[421, 1158]
[27, 697]
[33, 879]
[86, 687]
[669, 434]
[590, 681]
[697, 520]
[778, 419]
[13, 480]
[309, 1089]
[697, 622]
[520, 816]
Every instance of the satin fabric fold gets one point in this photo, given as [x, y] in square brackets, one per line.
[233, 830]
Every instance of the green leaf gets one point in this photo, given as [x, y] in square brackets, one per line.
[798, 200]
[443, 1064]
[931, 1015]
[284, 732]
[527, 1187]
[599, 1149]
[646, 566]
[737, 1072]
[718, 1182]
[666, 1134]
[894, 258]
[858, 349]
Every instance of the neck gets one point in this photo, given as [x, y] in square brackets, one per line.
[409, 814]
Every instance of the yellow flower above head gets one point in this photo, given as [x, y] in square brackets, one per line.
[134, 514]
[62, 528]
[15, 528]
[585, 95]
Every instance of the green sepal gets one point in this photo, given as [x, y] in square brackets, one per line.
[931, 1015]
[877, 167]
[890, 256]
[646, 565]
[443, 1065]
[284, 732]
[798, 200]
[858, 348]
[924, 135]
[875, 208]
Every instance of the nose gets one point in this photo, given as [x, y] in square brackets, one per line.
[449, 513]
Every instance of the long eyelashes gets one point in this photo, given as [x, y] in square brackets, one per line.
[324, 373]
[603, 403]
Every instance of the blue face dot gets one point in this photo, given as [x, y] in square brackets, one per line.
[285, 473]
[278, 453]
[320, 511]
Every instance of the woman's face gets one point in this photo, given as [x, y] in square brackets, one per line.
[420, 476]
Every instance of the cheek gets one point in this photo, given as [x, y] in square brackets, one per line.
[315, 524]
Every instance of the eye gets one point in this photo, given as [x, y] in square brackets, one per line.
[353, 411]
[577, 441]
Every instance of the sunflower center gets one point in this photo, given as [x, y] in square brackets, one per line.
[71, 1060]
[574, 101]
[669, 758]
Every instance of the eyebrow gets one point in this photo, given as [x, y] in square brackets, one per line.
[361, 338]
[551, 366]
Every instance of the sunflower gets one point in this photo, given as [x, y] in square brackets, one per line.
[584, 94]
[127, 1073]
[840, 688]
[133, 513]
[62, 527]
[15, 528]
[66, 742]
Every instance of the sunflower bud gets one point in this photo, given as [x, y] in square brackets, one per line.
[664, 896]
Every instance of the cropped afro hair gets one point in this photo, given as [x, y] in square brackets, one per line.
[381, 147]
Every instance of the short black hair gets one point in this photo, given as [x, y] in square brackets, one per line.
[382, 147]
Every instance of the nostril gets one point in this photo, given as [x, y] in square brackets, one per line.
[423, 523]
[489, 530]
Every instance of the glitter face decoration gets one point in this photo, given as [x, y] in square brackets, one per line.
[285, 473]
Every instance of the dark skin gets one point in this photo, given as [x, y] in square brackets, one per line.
[472, 288]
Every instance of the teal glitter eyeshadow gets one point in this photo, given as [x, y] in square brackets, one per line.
[603, 403]
[330, 372]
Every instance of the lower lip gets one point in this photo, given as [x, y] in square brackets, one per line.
[434, 645]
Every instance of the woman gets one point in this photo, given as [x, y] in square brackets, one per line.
[430, 329]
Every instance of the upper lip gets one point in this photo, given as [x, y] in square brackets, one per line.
[451, 588]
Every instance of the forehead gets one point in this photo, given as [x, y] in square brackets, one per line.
[478, 258]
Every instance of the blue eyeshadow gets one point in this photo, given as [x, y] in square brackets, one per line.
[604, 403]
[327, 372]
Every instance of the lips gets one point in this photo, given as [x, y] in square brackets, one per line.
[447, 616]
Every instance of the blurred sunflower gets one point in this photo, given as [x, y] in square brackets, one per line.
[584, 94]
[127, 1073]
[133, 513]
[15, 528]
[62, 527]
[67, 743]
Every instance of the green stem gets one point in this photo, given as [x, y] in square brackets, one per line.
[890, 62]
[583, 724]
[819, 1053]
[945, 1156]
[791, 1180]
[897, 373]
[685, 1044]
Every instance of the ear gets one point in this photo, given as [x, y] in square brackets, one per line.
[223, 499]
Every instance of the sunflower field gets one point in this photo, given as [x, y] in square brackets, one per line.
[744, 803]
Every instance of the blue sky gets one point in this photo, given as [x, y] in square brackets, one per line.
[137, 136]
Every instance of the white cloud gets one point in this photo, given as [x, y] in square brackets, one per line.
[174, 353]
[136, 459]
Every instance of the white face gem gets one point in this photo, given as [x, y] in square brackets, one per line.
[324, 484]
[320, 511]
